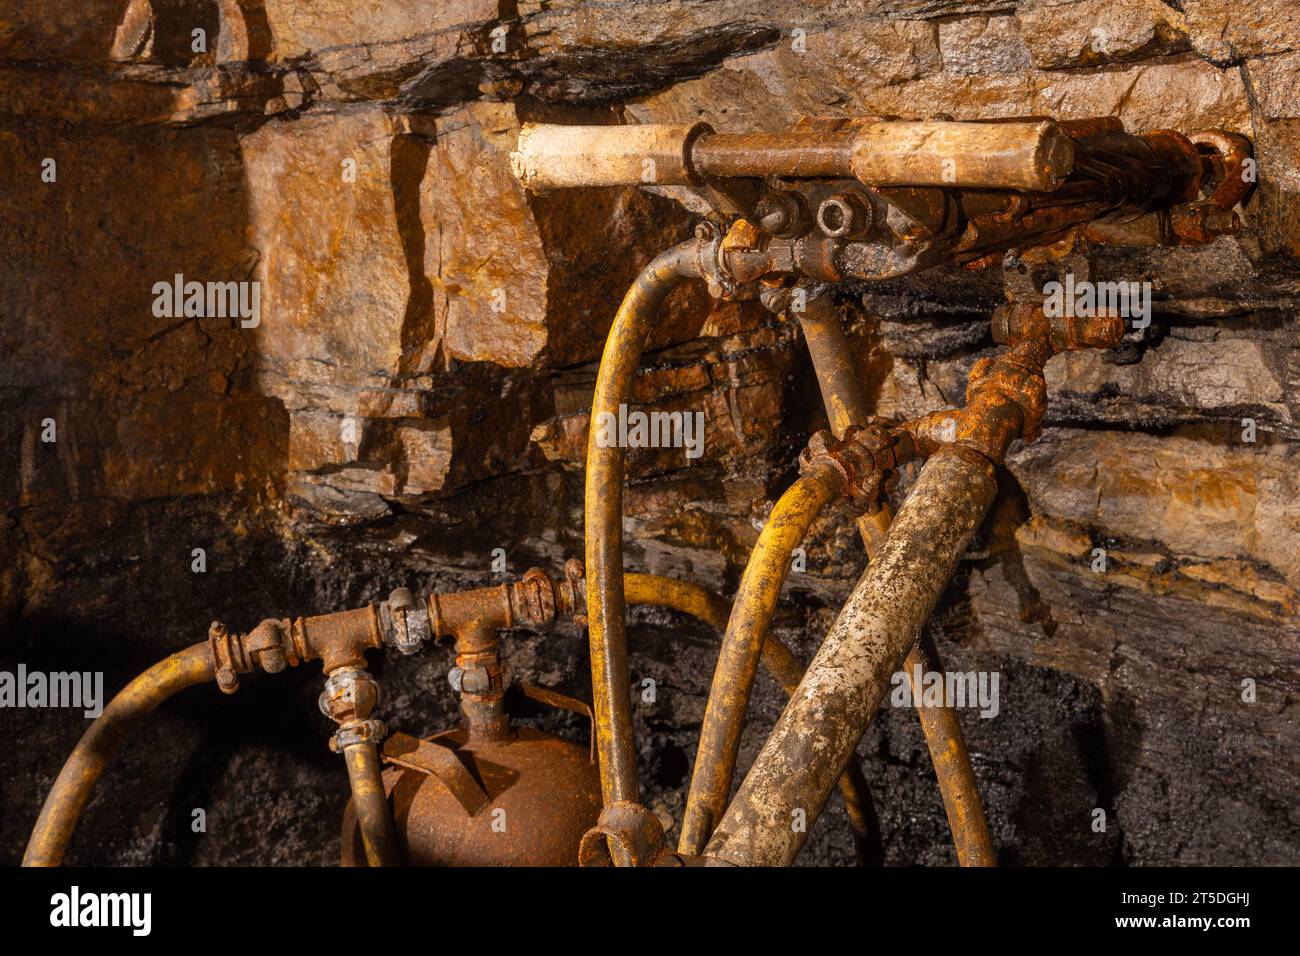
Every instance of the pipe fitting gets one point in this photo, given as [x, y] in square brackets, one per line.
[1006, 398]
[625, 834]
[1021, 321]
[350, 695]
[867, 460]
[405, 622]
[268, 646]
[845, 215]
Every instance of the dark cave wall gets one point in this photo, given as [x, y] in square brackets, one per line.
[415, 397]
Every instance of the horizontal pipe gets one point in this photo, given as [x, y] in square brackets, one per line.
[1033, 155]
[800, 153]
[556, 157]
[747, 628]
[820, 728]
[72, 789]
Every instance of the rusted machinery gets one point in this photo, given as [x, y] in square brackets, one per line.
[826, 202]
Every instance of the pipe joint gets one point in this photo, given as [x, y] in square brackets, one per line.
[404, 622]
[625, 834]
[1019, 322]
[268, 646]
[866, 459]
[349, 698]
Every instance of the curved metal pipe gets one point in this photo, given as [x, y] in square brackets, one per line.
[733, 677]
[846, 404]
[603, 496]
[779, 661]
[71, 791]
[371, 804]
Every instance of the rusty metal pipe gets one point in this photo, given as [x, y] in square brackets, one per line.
[1031, 155]
[371, 804]
[780, 662]
[801, 153]
[843, 686]
[72, 789]
[952, 766]
[733, 677]
[603, 496]
[846, 404]
[661, 591]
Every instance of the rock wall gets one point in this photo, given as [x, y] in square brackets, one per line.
[414, 396]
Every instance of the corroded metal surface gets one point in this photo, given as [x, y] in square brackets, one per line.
[952, 765]
[368, 801]
[747, 630]
[1006, 398]
[349, 699]
[615, 742]
[72, 789]
[846, 403]
[542, 795]
[843, 686]
[779, 661]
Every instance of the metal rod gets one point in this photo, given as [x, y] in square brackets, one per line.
[786, 788]
[733, 678]
[603, 496]
[846, 404]
[812, 152]
[71, 791]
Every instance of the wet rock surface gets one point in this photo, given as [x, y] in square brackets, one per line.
[415, 394]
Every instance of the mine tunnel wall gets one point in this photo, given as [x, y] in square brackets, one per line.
[414, 397]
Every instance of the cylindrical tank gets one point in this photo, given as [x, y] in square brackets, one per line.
[543, 794]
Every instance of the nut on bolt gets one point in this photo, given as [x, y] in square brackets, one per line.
[844, 214]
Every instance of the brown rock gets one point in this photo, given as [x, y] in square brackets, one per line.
[1275, 80]
[1225, 31]
[426, 450]
[983, 45]
[773, 89]
[336, 283]
[1196, 498]
[1071, 33]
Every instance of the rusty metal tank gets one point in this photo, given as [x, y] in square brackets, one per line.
[524, 800]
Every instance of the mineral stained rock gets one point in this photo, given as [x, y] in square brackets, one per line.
[413, 400]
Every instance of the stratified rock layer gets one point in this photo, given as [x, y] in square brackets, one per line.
[412, 405]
